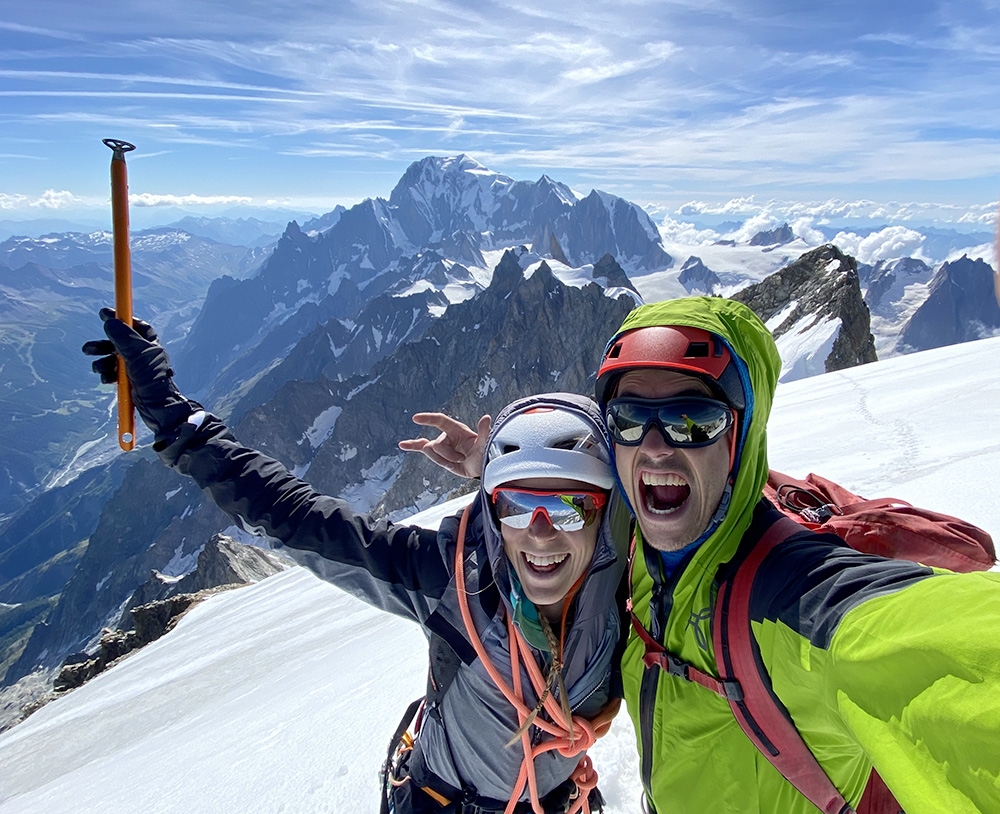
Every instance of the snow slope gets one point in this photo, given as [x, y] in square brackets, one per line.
[281, 697]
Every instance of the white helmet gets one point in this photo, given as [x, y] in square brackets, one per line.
[553, 435]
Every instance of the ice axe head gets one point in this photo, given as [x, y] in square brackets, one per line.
[120, 147]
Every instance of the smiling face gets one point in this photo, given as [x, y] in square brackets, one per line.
[547, 561]
[673, 491]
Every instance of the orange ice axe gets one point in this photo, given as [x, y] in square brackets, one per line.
[123, 280]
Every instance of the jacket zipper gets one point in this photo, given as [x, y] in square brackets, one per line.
[647, 697]
[660, 604]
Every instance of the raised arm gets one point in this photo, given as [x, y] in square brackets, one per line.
[395, 567]
[457, 447]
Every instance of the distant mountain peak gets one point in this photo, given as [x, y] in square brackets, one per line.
[960, 307]
[773, 237]
[437, 174]
[461, 163]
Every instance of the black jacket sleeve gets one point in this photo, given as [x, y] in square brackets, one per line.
[396, 568]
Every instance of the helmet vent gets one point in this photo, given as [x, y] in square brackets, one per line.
[697, 350]
[615, 351]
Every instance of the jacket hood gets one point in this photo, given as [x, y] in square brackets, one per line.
[749, 340]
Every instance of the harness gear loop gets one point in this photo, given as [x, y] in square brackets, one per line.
[569, 737]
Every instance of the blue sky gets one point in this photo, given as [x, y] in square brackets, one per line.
[697, 107]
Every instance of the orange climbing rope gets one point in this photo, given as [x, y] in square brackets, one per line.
[569, 737]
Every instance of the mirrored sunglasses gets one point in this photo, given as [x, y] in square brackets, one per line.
[566, 511]
[684, 421]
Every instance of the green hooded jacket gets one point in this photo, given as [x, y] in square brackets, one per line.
[879, 662]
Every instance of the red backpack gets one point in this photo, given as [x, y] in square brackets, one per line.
[886, 527]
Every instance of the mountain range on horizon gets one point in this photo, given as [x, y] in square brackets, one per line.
[461, 290]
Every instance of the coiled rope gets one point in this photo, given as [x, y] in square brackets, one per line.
[569, 737]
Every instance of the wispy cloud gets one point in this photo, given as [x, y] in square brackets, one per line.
[664, 102]
[39, 31]
[610, 67]
[146, 79]
[134, 94]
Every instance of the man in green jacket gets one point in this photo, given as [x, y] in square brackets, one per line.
[880, 663]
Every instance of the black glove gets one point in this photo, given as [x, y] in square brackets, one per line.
[159, 403]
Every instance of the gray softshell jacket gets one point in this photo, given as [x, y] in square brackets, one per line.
[409, 571]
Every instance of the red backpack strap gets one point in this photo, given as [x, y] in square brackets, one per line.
[656, 656]
[758, 712]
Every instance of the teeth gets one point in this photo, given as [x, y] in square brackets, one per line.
[653, 510]
[548, 559]
[654, 479]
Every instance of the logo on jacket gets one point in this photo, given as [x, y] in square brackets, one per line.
[695, 623]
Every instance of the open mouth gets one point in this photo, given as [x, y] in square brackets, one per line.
[663, 494]
[544, 564]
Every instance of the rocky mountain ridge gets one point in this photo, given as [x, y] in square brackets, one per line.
[817, 297]
[440, 220]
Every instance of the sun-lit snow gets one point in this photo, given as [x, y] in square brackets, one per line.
[281, 697]
[805, 347]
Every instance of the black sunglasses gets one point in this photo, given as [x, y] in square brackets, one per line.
[684, 421]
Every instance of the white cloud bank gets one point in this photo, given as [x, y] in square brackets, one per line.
[885, 244]
[50, 199]
[835, 210]
[149, 199]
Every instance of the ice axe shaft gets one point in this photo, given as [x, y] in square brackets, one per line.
[123, 280]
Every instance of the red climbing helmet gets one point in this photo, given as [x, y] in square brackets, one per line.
[672, 347]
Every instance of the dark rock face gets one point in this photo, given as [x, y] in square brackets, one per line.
[518, 337]
[130, 540]
[222, 561]
[608, 270]
[961, 307]
[603, 224]
[148, 623]
[697, 278]
[823, 284]
[773, 237]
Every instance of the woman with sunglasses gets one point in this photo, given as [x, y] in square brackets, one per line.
[518, 592]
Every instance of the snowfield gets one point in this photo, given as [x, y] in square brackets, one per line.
[281, 696]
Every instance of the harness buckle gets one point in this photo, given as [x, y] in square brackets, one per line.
[667, 662]
[675, 667]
